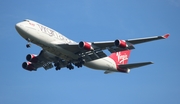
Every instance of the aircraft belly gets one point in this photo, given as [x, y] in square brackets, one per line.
[102, 64]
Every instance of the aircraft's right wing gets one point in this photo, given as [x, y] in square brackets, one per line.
[44, 59]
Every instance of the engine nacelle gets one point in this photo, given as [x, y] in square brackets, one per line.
[120, 43]
[85, 45]
[28, 66]
[32, 58]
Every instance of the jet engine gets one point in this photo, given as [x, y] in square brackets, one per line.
[85, 45]
[32, 58]
[28, 66]
[120, 43]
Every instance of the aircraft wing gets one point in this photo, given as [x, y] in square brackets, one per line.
[88, 55]
[134, 65]
[94, 50]
[44, 59]
[147, 39]
[112, 45]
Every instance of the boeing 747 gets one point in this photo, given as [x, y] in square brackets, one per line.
[59, 51]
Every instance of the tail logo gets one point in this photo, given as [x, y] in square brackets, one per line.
[121, 58]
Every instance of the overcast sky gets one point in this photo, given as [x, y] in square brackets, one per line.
[93, 20]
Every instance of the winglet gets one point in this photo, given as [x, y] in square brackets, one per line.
[166, 36]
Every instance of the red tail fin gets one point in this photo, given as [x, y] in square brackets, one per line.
[120, 57]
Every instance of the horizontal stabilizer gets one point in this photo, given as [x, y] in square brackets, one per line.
[107, 72]
[134, 65]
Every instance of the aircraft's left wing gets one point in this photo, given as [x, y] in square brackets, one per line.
[88, 55]
[147, 39]
[93, 50]
[120, 45]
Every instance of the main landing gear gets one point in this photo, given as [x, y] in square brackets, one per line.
[70, 66]
[57, 65]
[61, 63]
[79, 63]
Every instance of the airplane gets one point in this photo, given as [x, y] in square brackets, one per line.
[59, 51]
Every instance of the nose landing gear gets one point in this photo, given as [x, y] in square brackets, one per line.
[28, 45]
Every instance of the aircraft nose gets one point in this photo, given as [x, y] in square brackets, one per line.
[18, 26]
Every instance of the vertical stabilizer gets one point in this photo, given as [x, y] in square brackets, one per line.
[120, 57]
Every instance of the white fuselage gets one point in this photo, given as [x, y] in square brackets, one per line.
[48, 39]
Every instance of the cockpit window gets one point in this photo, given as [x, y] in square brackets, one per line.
[26, 20]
